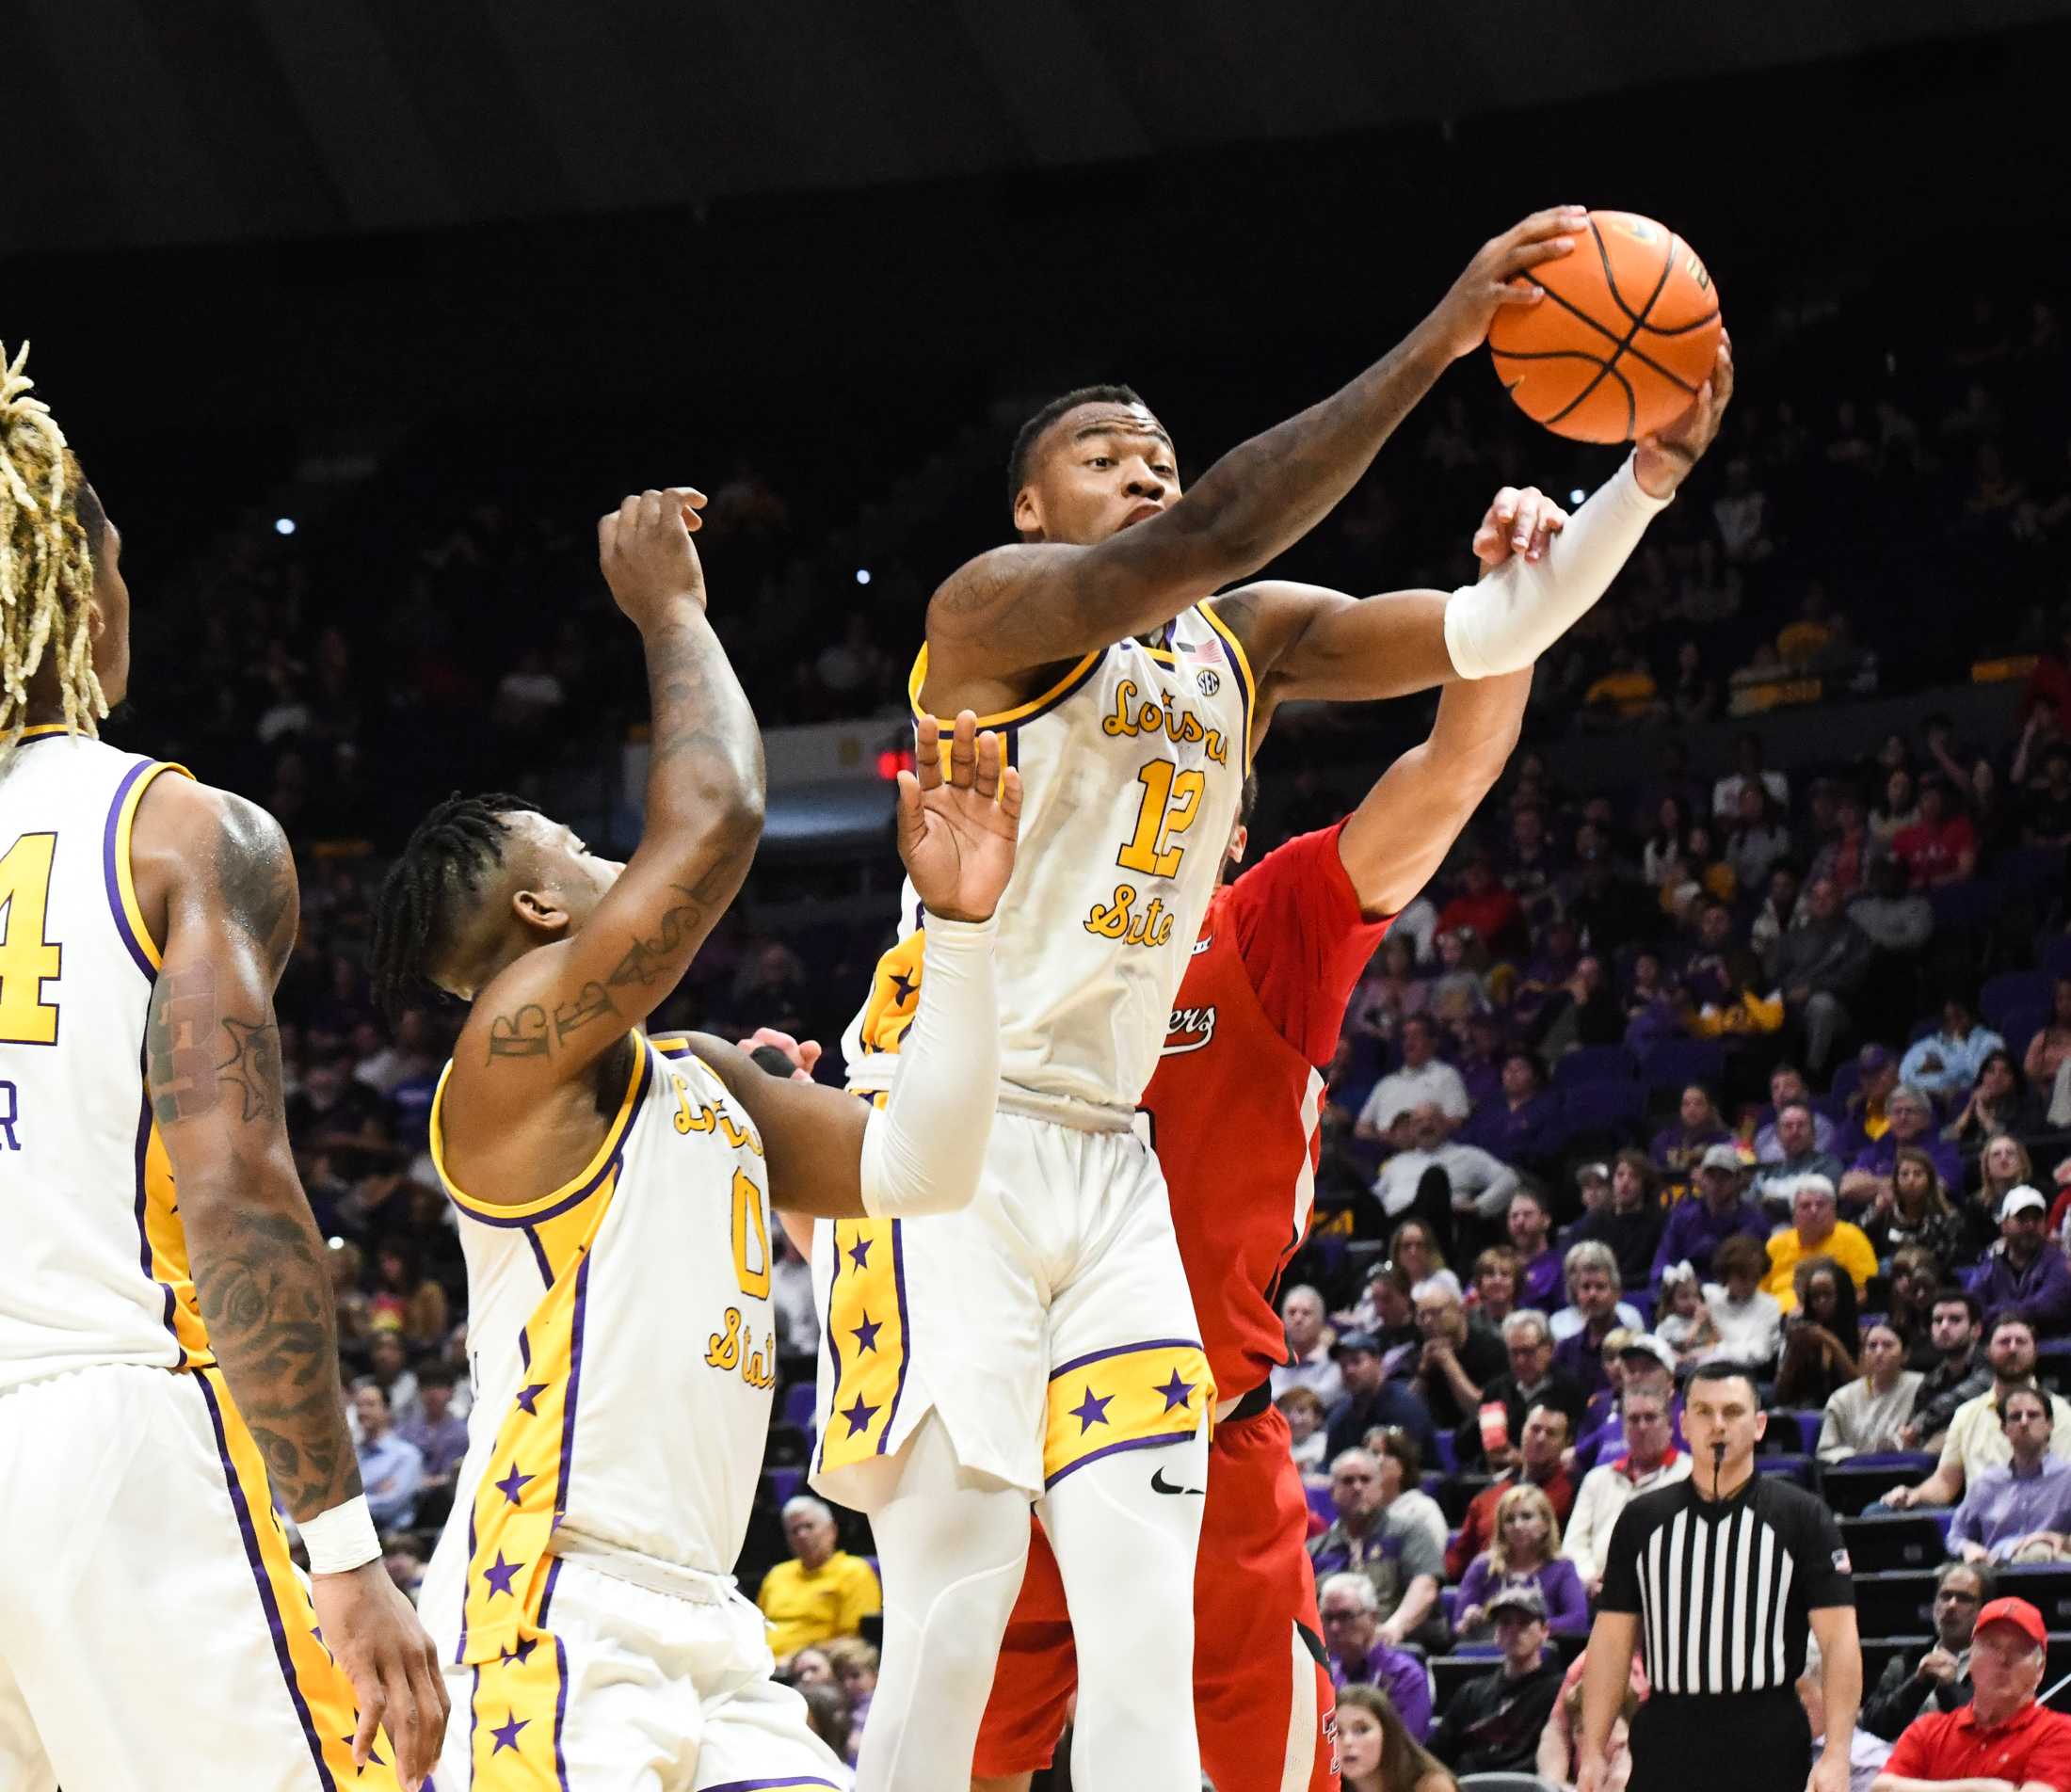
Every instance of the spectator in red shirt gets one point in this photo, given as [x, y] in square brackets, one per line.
[2002, 1738]
[1493, 912]
[1942, 846]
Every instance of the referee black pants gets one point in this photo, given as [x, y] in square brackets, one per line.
[1732, 1743]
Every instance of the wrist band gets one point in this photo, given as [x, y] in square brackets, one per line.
[342, 1539]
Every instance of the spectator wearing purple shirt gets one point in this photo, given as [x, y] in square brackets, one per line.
[439, 1434]
[1679, 1150]
[1527, 1221]
[1522, 1125]
[1351, 1619]
[1526, 1549]
[1698, 1225]
[2025, 1273]
[1911, 1118]
[2029, 1498]
[1645, 1365]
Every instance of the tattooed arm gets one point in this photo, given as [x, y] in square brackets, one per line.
[218, 888]
[213, 1063]
[1020, 607]
[543, 1023]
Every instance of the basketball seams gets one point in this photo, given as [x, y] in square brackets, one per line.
[1639, 323]
[1633, 349]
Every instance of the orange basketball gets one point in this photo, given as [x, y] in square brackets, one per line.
[1621, 341]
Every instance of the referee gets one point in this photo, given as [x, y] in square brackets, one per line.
[1716, 1577]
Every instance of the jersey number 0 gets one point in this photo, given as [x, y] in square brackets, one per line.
[27, 959]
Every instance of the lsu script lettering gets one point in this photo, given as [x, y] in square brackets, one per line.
[1133, 718]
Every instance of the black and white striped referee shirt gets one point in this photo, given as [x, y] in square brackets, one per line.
[1723, 1589]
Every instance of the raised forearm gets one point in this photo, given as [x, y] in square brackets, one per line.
[705, 778]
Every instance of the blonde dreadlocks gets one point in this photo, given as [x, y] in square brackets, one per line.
[46, 562]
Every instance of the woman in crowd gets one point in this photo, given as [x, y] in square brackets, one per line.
[1460, 990]
[1914, 1209]
[1303, 1412]
[1698, 1124]
[1493, 1297]
[1527, 1547]
[1663, 851]
[2002, 1166]
[1375, 1753]
[1817, 1359]
[1998, 1104]
[1412, 1248]
[404, 1299]
[1391, 990]
[1868, 1413]
[1748, 1319]
[1759, 838]
[1401, 1481]
[1917, 1276]
[2050, 1049]
[1896, 809]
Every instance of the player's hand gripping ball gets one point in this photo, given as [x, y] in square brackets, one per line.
[1623, 340]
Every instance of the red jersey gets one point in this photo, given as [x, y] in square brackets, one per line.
[1237, 1098]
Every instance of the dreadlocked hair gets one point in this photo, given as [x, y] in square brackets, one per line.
[428, 892]
[47, 562]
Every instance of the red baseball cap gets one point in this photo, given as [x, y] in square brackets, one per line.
[2018, 1612]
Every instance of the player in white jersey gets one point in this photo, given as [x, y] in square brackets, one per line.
[169, 1365]
[613, 1194]
[1049, 1339]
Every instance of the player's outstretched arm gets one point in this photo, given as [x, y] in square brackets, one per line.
[1308, 643]
[553, 1013]
[838, 1158]
[1025, 605]
[1399, 836]
[213, 1071]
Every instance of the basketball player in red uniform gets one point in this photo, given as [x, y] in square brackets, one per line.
[1233, 1112]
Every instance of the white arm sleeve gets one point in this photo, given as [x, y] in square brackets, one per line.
[1503, 623]
[923, 1150]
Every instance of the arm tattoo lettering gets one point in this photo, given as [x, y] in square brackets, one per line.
[523, 1034]
[647, 959]
[592, 1003]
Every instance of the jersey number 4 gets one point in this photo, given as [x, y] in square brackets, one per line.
[1170, 799]
[28, 960]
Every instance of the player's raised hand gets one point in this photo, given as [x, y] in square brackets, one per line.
[645, 549]
[1663, 461]
[958, 833]
[1502, 274]
[373, 1633]
[1517, 521]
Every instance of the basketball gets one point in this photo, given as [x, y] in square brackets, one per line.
[1623, 339]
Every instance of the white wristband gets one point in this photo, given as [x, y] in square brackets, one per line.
[342, 1539]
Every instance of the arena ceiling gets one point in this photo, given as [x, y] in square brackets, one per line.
[138, 123]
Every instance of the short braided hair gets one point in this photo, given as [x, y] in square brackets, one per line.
[51, 525]
[428, 892]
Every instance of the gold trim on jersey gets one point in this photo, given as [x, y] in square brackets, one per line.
[894, 996]
[1132, 1396]
[327, 1709]
[866, 1313]
[523, 1487]
[1244, 669]
[166, 1237]
[1021, 712]
[578, 1187]
[125, 880]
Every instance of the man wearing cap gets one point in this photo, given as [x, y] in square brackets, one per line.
[1816, 1231]
[2024, 1502]
[1696, 1228]
[2025, 1273]
[1370, 1399]
[1647, 1364]
[2002, 1739]
[1493, 1723]
[1867, 1119]
[1650, 1460]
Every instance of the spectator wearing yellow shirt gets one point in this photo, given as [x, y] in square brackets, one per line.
[1816, 1231]
[823, 1593]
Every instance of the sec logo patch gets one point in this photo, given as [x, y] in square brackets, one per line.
[1210, 682]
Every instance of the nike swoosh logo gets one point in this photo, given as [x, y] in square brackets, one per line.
[1160, 1485]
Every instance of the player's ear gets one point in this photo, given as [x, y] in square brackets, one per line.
[1028, 512]
[541, 911]
[1238, 841]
